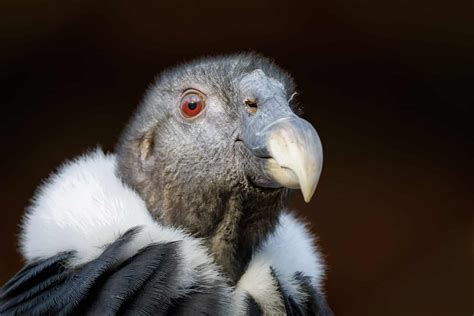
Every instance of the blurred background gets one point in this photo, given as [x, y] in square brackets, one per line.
[388, 85]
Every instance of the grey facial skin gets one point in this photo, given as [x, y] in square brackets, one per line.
[225, 175]
[290, 144]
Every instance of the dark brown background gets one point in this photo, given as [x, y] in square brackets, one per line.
[388, 85]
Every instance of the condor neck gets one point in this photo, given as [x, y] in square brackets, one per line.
[232, 224]
[241, 229]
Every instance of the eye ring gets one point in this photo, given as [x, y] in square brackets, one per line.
[192, 104]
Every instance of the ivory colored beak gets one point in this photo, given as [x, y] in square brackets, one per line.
[297, 154]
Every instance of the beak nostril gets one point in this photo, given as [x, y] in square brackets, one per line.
[252, 106]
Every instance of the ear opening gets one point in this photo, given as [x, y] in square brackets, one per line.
[146, 144]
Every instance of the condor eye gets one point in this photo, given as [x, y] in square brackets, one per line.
[192, 104]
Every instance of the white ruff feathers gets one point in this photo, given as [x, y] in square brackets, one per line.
[85, 207]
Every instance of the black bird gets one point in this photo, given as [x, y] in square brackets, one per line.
[188, 216]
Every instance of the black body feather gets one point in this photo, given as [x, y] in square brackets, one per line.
[144, 284]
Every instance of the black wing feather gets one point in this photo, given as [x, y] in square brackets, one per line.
[35, 273]
[252, 307]
[141, 285]
[126, 285]
[49, 287]
[203, 298]
[146, 284]
[63, 298]
[315, 304]
[154, 297]
[32, 280]
[78, 288]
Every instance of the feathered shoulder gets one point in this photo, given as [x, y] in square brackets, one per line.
[84, 210]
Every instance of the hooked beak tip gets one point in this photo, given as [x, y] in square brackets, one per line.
[308, 190]
[295, 146]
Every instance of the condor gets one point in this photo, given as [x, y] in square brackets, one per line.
[188, 216]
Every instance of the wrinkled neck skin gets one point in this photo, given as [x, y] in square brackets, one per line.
[233, 221]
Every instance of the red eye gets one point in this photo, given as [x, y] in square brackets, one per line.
[192, 103]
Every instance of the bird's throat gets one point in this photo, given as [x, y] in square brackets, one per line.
[232, 224]
[241, 229]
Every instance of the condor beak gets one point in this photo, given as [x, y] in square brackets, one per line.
[294, 154]
[297, 155]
